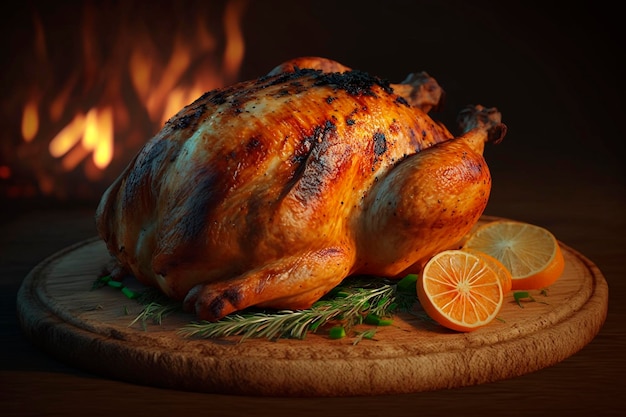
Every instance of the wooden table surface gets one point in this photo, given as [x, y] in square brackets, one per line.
[555, 77]
[590, 219]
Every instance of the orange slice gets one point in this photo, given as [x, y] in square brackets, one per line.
[459, 290]
[531, 253]
[503, 273]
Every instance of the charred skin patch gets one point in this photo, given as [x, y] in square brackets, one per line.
[285, 77]
[205, 194]
[308, 174]
[140, 177]
[380, 144]
[233, 295]
[402, 101]
[192, 115]
[353, 82]
[298, 87]
[283, 92]
[255, 225]
[215, 307]
[380, 147]
[290, 89]
[414, 140]
[237, 96]
[234, 165]
[320, 132]
[254, 143]
[216, 97]
[235, 105]
[323, 165]
[182, 233]
[302, 152]
[189, 119]
[350, 118]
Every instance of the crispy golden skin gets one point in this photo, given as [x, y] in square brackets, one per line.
[270, 192]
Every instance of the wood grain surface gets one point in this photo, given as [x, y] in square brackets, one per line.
[62, 314]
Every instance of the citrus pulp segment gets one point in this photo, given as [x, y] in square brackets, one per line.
[503, 273]
[531, 253]
[459, 290]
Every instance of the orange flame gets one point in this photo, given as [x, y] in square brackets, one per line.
[234, 44]
[159, 87]
[30, 121]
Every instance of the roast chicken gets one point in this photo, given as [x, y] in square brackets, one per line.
[270, 192]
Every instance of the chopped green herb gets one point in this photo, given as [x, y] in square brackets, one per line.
[408, 284]
[354, 301]
[100, 282]
[375, 320]
[114, 284]
[520, 296]
[341, 294]
[337, 332]
[130, 293]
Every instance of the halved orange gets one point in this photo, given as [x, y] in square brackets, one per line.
[503, 273]
[459, 290]
[531, 253]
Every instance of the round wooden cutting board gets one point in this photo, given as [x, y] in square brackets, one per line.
[90, 329]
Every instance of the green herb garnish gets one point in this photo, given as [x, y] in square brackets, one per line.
[355, 301]
[155, 311]
[367, 334]
[337, 332]
[347, 304]
[520, 296]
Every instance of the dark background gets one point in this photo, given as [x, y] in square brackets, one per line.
[553, 70]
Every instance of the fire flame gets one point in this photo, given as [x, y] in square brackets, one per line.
[92, 111]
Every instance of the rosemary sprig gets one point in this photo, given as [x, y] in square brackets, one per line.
[354, 301]
[348, 305]
[367, 334]
[156, 311]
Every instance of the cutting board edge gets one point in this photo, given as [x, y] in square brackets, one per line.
[42, 326]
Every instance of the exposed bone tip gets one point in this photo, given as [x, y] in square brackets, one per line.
[496, 133]
[489, 118]
[422, 91]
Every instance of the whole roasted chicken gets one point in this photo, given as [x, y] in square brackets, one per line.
[270, 192]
